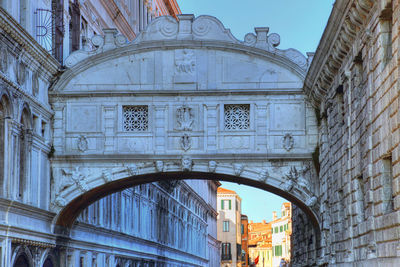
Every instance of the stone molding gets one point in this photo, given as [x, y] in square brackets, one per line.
[347, 21]
[166, 29]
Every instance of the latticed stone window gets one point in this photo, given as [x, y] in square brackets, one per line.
[136, 118]
[237, 117]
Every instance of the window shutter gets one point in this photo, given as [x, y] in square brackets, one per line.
[222, 204]
[230, 204]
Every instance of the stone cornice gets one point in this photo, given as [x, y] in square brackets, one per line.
[347, 20]
[28, 43]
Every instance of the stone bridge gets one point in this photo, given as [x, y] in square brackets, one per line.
[184, 100]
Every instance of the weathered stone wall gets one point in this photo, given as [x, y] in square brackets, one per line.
[359, 134]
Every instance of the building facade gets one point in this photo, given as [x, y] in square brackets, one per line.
[260, 244]
[229, 227]
[353, 84]
[281, 229]
[245, 240]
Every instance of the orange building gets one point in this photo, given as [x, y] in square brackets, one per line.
[260, 244]
[245, 240]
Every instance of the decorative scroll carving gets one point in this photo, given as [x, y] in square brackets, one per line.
[186, 142]
[132, 169]
[76, 177]
[288, 185]
[185, 118]
[238, 168]
[106, 175]
[287, 141]
[186, 163]
[212, 166]
[82, 143]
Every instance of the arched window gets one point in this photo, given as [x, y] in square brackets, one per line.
[48, 263]
[21, 261]
[3, 115]
[23, 154]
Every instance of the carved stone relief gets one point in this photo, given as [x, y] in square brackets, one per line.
[132, 169]
[185, 118]
[185, 142]
[312, 201]
[82, 143]
[287, 142]
[106, 175]
[20, 72]
[76, 177]
[35, 83]
[185, 66]
[263, 175]
[3, 59]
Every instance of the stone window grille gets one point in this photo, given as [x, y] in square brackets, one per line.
[237, 117]
[136, 118]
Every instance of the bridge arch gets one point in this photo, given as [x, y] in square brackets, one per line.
[184, 100]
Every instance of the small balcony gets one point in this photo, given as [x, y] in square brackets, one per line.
[226, 257]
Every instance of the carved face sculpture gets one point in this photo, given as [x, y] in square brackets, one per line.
[159, 165]
[186, 163]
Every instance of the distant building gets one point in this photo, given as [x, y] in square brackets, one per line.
[245, 240]
[260, 244]
[229, 227]
[281, 233]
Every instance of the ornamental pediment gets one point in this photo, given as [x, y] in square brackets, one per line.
[192, 54]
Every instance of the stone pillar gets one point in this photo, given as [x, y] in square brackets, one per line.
[159, 128]
[211, 126]
[109, 128]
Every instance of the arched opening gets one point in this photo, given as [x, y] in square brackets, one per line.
[22, 261]
[48, 263]
[23, 153]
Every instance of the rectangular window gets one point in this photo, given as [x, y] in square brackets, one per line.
[226, 226]
[135, 118]
[230, 204]
[242, 229]
[237, 117]
[226, 251]
[281, 228]
[276, 229]
[222, 204]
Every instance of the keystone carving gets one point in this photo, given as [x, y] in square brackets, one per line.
[186, 163]
[185, 62]
[212, 166]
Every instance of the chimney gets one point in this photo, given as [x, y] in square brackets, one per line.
[251, 221]
[274, 217]
[264, 221]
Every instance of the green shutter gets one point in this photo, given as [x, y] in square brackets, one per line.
[230, 204]
[222, 204]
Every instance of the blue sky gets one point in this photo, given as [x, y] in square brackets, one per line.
[300, 23]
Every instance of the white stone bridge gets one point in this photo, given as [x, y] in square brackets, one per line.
[184, 100]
